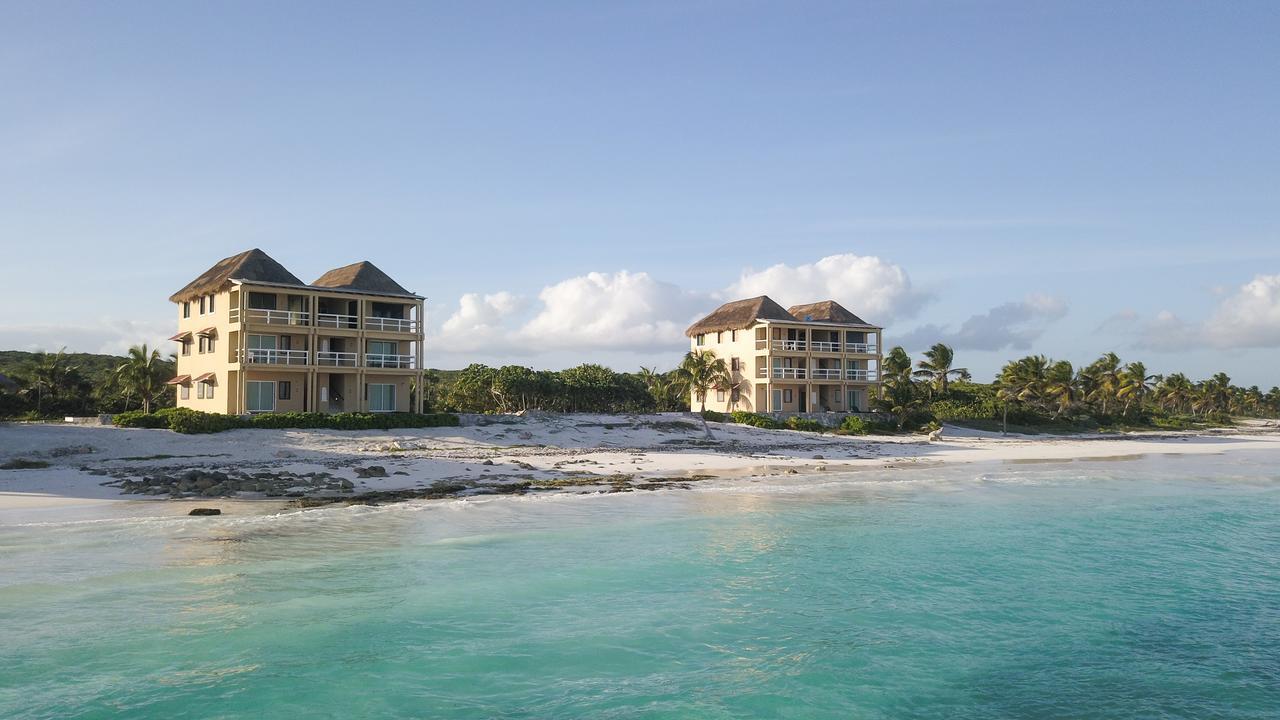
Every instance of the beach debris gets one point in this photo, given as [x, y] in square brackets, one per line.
[373, 471]
[936, 435]
[205, 511]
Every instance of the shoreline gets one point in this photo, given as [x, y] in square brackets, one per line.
[92, 465]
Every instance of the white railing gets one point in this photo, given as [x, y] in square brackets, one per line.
[340, 359]
[275, 357]
[863, 375]
[826, 374]
[271, 317]
[789, 345]
[826, 346]
[868, 348]
[379, 360]
[783, 373]
[336, 321]
[390, 324]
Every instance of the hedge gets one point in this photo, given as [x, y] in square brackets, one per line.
[192, 422]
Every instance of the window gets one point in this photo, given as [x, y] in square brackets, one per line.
[201, 341]
[208, 345]
[200, 390]
[186, 309]
[261, 348]
[262, 301]
[211, 297]
[719, 396]
[382, 353]
[186, 347]
[786, 396]
[201, 304]
[718, 338]
[260, 396]
[382, 397]
[184, 392]
[208, 390]
[735, 364]
[284, 388]
[700, 339]
[853, 401]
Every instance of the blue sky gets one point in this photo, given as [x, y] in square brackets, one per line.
[1064, 178]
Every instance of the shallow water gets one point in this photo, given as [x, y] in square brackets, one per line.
[1145, 588]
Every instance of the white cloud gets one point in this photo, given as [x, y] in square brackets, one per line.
[874, 289]
[479, 321]
[1009, 325]
[1249, 317]
[622, 310]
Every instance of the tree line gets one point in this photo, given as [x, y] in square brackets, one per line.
[44, 385]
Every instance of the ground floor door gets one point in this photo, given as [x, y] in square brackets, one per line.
[337, 401]
[803, 399]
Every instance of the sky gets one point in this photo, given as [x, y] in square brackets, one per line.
[574, 182]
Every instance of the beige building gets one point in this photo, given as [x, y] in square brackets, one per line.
[254, 338]
[807, 359]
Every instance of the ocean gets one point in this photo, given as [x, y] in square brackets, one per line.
[1135, 587]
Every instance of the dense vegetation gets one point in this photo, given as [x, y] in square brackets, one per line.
[1037, 391]
[59, 384]
[189, 421]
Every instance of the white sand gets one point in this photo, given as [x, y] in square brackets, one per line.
[543, 447]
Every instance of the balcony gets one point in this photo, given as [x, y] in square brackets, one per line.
[386, 324]
[781, 373]
[378, 360]
[862, 375]
[331, 320]
[275, 357]
[270, 317]
[831, 347]
[826, 374]
[864, 348]
[789, 345]
[337, 359]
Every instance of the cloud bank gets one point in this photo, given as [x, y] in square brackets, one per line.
[1009, 325]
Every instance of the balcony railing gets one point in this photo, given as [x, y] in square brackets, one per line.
[823, 346]
[390, 324]
[782, 373]
[275, 357]
[789, 345]
[378, 360]
[868, 348]
[826, 373]
[337, 359]
[862, 375]
[271, 317]
[331, 320]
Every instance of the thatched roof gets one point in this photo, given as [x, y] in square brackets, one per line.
[825, 311]
[738, 315]
[253, 265]
[363, 276]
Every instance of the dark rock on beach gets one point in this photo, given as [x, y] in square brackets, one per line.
[205, 511]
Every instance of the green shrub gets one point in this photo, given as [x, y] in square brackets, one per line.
[192, 422]
[713, 416]
[805, 424]
[139, 419]
[761, 421]
[853, 425]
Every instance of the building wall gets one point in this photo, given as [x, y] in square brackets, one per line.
[754, 349]
[232, 339]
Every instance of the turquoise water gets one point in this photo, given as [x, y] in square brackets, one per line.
[1142, 588]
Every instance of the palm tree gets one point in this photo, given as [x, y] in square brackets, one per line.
[1104, 378]
[702, 371]
[1060, 387]
[1134, 385]
[142, 374]
[898, 395]
[50, 377]
[1175, 392]
[936, 368]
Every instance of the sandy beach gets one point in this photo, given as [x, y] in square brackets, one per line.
[86, 465]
